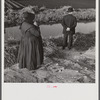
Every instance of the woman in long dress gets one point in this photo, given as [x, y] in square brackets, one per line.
[30, 54]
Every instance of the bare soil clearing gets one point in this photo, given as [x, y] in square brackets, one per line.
[60, 66]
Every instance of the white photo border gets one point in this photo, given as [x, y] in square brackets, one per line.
[39, 91]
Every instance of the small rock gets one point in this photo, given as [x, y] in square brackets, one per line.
[86, 79]
[92, 76]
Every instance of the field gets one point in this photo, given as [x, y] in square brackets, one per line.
[58, 3]
[60, 66]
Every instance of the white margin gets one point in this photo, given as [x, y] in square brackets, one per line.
[2, 53]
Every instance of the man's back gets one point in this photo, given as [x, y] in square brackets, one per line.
[69, 21]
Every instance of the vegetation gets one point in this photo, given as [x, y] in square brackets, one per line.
[47, 16]
[56, 15]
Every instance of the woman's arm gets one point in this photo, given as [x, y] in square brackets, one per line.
[34, 32]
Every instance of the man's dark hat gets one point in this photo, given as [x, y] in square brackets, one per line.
[70, 9]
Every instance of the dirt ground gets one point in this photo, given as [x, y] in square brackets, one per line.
[60, 66]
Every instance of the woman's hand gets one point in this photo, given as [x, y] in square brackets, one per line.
[35, 23]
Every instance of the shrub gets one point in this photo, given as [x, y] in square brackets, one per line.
[46, 16]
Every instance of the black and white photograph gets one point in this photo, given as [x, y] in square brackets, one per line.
[50, 41]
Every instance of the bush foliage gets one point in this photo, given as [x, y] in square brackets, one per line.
[47, 16]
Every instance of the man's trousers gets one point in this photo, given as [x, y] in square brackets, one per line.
[68, 39]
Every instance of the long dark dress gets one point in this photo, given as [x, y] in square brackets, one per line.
[31, 49]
